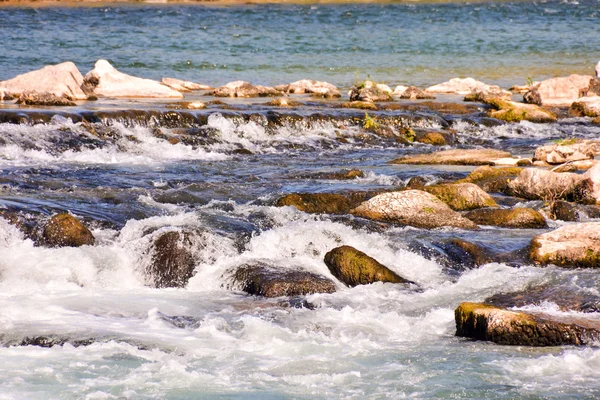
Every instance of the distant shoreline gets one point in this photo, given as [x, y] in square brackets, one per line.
[217, 3]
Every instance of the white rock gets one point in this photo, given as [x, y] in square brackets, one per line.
[598, 70]
[105, 81]
[399, 90]
[62, 80]
[560, 91]
[183, 86]
[463, 86]
[573, 245]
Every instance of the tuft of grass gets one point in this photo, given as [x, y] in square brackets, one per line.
[370, 122]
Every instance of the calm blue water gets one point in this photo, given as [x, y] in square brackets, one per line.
[417, 44]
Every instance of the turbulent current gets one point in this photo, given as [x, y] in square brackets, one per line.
[84, 323]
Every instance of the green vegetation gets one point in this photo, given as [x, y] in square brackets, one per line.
[565, 141]
[370, 123]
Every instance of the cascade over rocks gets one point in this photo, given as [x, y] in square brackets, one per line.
[61, 80]
[353, 267]
[558, 91]
[260, 279]
[571, 246]
[461, 196]
[412, 207]
[519, 218]
[106, 81]
[244, 89]
[64, 230]
[172, 258]
[486, 322]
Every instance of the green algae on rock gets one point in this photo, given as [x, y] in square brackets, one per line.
[517, 218]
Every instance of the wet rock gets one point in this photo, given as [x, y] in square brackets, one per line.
[259, 279]
[594, 88]
[572, 246]
[43, 99]
[539, 184]
[183, 86]
[172, 259]
[586, 107]
[412, 207]
[492, 179]
[344, 174]
[455, 157]
[414, 93]
[565, 211]
[417, 182]
[105, 81]
[482, 95]
[432, 138]
[187, 105]
[485, 322]
[558, 91]
[244, 89]
[567, 299]
[462, 86]
[370, 92]
[511, 111]
[519, 218]
[566, 151]
[62, 80]
[323, 89]
[353, 267]
[319, 203]
[461, 196]
[466, 254]
[362, 105]
[64, 230]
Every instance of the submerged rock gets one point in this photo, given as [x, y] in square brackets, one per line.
[105, 81]
[370, 92]
[456, 157]
[566, 298]
[172, 259]
[62, 80]
[183, 86]
[534, 184]
[519, 218]
[353, 267]
[511, 111]
[412, 207]
[259, 279]
[486, 322]
[468, 254]
[461, 196]
[572, 246]
[558, 91]
[244, 89]
[64, 230]
[43, 99]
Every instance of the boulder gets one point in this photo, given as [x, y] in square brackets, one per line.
[370, 92]
[519, 218]
[283, 102]
[105, 81]
[172, 259]
[481, 321]
[465, 253]
[574, 166]
[344, 174]
[492, 179]
[399, 90]
[412, 207]
[567, 151]
[62, 80]
[572, 246]
[592, 179]
[511, 111]
[461, 196]
[565, 211]
[456, 157]
[304, 86]
[594, 88]
[432, 138]
[540, 184]
[64, 230]
[244, 89]
[482, 95]
[586, 107]
[414, 93]
[320, 203]
[353, 267]
[462, 86]
[565, 297]
[558, 92]
[260, 279]
[183, 86]
[43, 99]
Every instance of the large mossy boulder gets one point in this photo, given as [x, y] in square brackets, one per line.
[570, 246]
[457, 157]
[461, 196]
[172, 261]
[260, 279]
[412, 207]
[353, 267]
[64, 230]
[540, 184]
[480, 321]
[518, 218]
[492, 179]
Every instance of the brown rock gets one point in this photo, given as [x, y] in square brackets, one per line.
[414, 93]
[353, 267]
[43, 99]
[244, 89]
[564, 297]
[455, 157]
[520, 218]
[64, 230]
[319, 203]
[534, 184]
[461, 196]
[492, 179]
[586, 107]
[172, 259]
[432, 138]
[511, 111]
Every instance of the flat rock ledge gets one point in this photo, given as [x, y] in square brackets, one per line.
[481, 321]
[463, 157]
